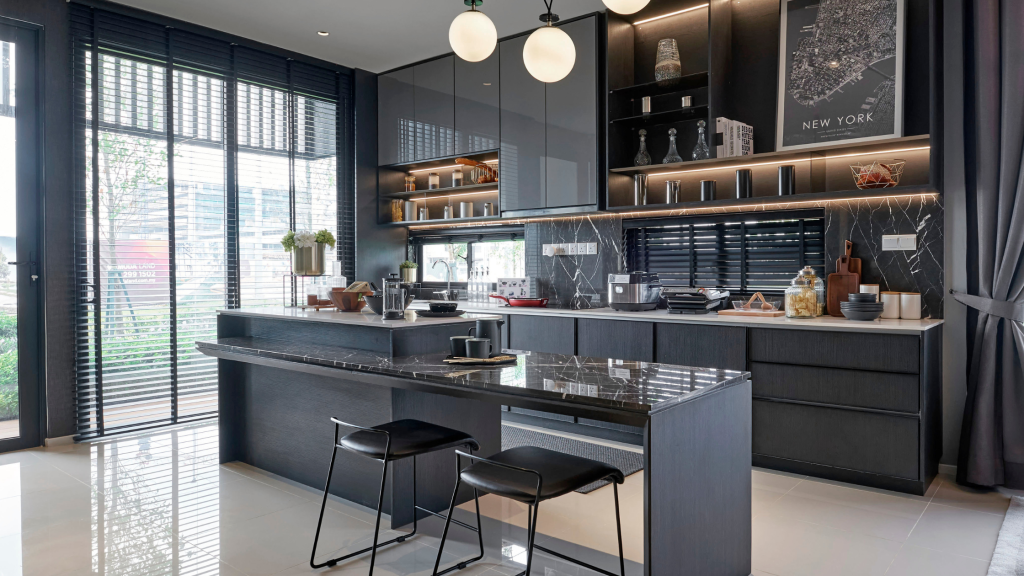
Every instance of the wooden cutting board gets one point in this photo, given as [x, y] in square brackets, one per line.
[840, 285]
[855, 263]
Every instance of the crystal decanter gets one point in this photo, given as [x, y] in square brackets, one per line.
[701, 150]
[673, 155]
[642, 157]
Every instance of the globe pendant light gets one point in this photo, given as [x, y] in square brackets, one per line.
[472, 34]
[549, 53]
[626, 6]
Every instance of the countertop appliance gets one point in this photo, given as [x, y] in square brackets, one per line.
[634, 292]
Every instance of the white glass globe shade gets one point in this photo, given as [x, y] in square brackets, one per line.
[626, 6]
[473, 36]
[549, 54]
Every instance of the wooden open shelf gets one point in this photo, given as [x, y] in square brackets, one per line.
[451, 191]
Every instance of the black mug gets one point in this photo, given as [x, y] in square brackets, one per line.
[478, 348]
[458, 346]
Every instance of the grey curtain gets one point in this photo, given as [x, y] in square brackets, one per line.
[992, 436]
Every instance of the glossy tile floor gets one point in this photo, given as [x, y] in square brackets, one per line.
[160, 504]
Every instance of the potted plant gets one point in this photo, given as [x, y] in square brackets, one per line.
[307, 249]
[408, 269]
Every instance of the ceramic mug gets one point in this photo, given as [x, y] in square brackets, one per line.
[458, 346]
[910, 306]
[891, 300]
[478, 348]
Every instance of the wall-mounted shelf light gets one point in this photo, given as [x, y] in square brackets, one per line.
[670, 14]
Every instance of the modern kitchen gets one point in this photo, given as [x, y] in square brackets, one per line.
[725, 287]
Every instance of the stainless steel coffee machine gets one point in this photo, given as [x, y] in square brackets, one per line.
[634, 292]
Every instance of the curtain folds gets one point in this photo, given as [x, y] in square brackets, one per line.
[992, 437]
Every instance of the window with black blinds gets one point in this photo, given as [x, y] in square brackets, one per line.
[194, 156]
[742, 253]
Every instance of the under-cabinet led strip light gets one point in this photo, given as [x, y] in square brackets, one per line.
[670, 211]
[670, 14]
[456, 195]
[447, 167]
[793, 161]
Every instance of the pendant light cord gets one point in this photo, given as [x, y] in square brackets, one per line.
[549, 17]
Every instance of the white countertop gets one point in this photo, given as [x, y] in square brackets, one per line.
[826, 323]
[363, 318]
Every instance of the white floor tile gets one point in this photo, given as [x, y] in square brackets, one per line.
[789, 547]
[957, 531]
[949, 493]
[917, 561]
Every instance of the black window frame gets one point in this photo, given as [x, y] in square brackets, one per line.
[417, 241]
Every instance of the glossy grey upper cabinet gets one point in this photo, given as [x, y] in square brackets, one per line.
[396, 113]
[522, 172]
[572, 124]
[435, 108]
[476, 105]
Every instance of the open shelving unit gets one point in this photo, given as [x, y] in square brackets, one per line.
[391, 186]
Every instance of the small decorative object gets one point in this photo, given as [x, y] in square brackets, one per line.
[645, 105]
[801, 297]
[465, 209]
[308, 249]
[744, 183]
[672, 191]
[396, 210]
[409, 211]
[410, 183]
[701, 150]
[884, 174]
[891, 304]
[448, 212]
[457, 178]
[910, 306]
[472, 35]
[787, 180]
[642, 157]
[639, 189]
[549, 53]
[708, 190]
[488, 209]
[424, 213]
[513, 287]
[687, 101]
[433, 181]
[673, 155]
[408, 269]
[667, 66]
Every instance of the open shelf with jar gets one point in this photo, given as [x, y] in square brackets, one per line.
[470, 179]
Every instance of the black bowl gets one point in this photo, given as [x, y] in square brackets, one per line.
[444, 306]
[864, 297]
[861, 315]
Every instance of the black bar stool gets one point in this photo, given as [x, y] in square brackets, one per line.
[531, 475]
[389, 442]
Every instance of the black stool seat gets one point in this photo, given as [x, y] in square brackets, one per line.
[408, 438]
[561, 473]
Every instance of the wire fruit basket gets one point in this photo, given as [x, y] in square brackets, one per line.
[880, 174]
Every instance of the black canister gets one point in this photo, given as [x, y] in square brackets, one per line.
[707, 190]
[787, 180]
[744, 183]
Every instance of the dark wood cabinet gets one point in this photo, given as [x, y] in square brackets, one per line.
[435, 108]
[723, 347]
[616, 339]
[556, 335]
[522, 178]
[476, 105]
[572, 120]
[396, 113]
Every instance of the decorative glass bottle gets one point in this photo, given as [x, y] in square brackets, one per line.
[701, 150]
[673, 154]
[667, 66]
[642, 157]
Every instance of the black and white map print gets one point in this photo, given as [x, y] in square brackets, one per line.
[842, 74]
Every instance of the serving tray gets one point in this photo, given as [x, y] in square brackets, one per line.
[496, 360]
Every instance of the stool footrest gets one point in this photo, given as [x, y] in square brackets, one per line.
[445, 517]
[334, 561]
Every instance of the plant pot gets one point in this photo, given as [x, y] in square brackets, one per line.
[409, 275]
[309, 261]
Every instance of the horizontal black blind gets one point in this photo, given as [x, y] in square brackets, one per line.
[194, 155]
[740, 253]
[502, 234]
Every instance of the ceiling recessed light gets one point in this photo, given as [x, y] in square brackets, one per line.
[323, 33]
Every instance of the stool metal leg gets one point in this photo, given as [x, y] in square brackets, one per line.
[447, 523]
[618, 530]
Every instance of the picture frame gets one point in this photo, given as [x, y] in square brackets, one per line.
[827, 94]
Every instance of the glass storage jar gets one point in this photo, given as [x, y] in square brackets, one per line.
[433, 181]
[801, 298]
[410, 183]
[819, 288]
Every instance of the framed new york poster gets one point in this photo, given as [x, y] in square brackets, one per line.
[840, 72]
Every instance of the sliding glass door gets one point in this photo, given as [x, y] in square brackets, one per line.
[20, 168]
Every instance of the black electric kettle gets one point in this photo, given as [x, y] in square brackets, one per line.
[491, 329]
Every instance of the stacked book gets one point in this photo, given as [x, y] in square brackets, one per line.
[687, 300]
[737, 138]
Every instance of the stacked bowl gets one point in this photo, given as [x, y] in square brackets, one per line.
[862, 306]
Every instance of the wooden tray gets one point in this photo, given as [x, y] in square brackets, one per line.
[499, 360]
[758, 313]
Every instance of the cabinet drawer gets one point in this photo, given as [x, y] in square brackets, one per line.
[856, 350]
[858, 388]
[854, 440]
[618, 339]
[722, 347]
[542, 334]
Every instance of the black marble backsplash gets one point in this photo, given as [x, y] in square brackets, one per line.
[579, 282]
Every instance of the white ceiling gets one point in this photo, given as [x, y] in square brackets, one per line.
[374, 35]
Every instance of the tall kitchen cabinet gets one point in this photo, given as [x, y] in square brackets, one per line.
[550, 149]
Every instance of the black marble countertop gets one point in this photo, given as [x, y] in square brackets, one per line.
[638, 387]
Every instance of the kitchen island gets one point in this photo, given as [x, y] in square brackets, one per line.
[280, 385]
